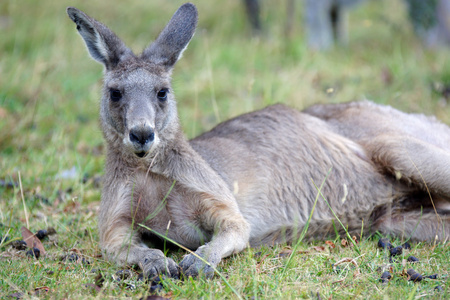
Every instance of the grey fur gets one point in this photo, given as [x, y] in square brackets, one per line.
[250, 180]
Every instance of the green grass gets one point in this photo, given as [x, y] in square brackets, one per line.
[49, 91]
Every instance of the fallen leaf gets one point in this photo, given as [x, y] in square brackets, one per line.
[76, 251]
[72, 207]
[284, 253]
[39, 291]
[319, 248]
[331, 244]
[31, 240]
[344, 243]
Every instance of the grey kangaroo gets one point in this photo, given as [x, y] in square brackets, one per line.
[251, 180]
[326, 20]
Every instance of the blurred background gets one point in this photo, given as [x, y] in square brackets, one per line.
[50, 87]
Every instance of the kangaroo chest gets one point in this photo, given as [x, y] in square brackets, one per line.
[169, 209]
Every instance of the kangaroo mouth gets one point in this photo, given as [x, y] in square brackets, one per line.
[141, 154]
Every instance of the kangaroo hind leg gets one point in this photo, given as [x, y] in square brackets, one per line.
[413, 161]
[420, 225]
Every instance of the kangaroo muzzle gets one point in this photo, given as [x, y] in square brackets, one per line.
[141, 137]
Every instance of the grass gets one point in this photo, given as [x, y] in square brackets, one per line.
[49, 134]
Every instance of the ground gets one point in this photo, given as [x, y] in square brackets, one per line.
[52, 153]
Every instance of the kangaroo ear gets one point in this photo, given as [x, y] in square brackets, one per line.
[174, 38]
[103, 45]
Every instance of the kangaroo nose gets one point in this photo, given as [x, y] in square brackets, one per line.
[142, 135]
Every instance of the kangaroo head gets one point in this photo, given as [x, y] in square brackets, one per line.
[138, 110]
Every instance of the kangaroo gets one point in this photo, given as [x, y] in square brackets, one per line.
[251, 180]
[326, 21]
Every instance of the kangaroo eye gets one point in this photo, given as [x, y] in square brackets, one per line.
[162, 94]
[115, 95]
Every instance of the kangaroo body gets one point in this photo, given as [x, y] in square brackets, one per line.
[254, 179]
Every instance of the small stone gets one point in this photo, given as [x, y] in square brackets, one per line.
[385, 277]
[396, 251]
[8, 184]
[411, 271]
[85, 261]
[393, 261]
[384, 243]
[412, 259]
[71, 257]
[406, 246]
[4, 239]
[19, 245]
[35, 252]
[41, 234]
[438, 288]
[124, 274]
[337, 269]
[416, 277]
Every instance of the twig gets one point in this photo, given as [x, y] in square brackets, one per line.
[350, 260]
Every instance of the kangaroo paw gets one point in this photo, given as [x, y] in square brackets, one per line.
[193, 266]
[155, 263]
